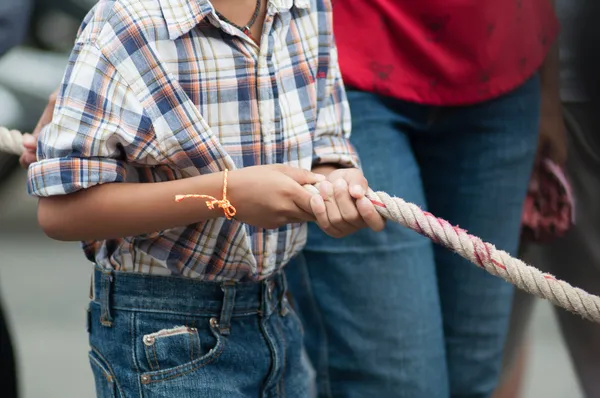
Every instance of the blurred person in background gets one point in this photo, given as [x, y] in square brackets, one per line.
[445, 98]
[574, 258]
[14, 15]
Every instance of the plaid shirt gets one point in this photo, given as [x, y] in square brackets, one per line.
[157, 90]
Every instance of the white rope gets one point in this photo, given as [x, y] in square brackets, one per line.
[486, 256]
[482, 254]
[11, 141]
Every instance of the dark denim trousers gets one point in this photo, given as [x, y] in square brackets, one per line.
[156, 336]
[389, 314]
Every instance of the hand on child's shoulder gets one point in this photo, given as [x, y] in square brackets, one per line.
[343, 207]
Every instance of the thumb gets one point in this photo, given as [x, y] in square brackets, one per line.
[302, 176]
[29, 141]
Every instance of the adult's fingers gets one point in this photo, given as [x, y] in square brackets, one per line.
[347, 206]
[27, 158]
[370, 215]
[301, 176]
[357, 183]
[334, 224]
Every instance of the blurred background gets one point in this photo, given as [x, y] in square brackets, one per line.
[44, 284]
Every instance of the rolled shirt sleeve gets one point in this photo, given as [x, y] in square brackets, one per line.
[331, 143]
[98, 127]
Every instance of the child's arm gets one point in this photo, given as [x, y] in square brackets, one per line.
[99, 130]
[124, 209]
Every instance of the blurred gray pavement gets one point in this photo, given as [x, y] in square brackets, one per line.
[44, 286]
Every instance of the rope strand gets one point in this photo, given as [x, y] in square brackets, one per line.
[482, 254]
[11, 141]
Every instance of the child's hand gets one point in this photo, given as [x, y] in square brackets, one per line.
[271, 196]
[343, 208]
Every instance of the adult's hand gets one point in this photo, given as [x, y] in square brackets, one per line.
[30, 140]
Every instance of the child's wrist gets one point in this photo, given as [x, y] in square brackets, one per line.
[209, 188]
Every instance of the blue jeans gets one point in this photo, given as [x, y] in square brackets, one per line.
[156, 336]
[389, 314]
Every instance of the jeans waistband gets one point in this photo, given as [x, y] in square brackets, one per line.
[114, 290]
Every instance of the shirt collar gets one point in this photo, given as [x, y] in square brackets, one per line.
[183, 15]
[284, 5]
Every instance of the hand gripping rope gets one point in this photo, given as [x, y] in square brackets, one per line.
[482, 254]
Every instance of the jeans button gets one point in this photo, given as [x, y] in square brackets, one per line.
[149, 340]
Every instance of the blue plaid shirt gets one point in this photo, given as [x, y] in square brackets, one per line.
[157, 90]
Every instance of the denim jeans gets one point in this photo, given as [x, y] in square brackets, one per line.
[156, 336]
[390, 314]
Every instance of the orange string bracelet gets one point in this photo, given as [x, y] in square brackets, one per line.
[213, 202]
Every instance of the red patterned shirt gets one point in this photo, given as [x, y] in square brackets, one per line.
[442, 52]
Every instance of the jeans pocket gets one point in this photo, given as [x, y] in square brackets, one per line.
[179, 350]
[106, 384]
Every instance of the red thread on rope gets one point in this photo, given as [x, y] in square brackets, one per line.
[478, 243]
[376, 203]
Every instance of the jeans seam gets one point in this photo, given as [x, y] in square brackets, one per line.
[324, 370]
[210, 357]
[192, 369]
[135, 360]
[109, 368]
[284, 362]
[273, 350]
[170, 311]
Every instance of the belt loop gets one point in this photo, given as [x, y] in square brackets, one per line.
[106, 318]
[92, 286]
[227, 309]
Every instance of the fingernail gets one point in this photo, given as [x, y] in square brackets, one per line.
[357, 190]
[319, 177]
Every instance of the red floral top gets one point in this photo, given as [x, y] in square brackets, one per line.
[442, 52]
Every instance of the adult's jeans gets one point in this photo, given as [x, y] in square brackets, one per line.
[390, 314]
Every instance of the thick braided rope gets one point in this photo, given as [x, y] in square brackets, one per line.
[486, 256]
[482, 254]
[11, 141]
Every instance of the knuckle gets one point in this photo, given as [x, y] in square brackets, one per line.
[334, 233]
[336, 219]
[339, 192]
[350, 215]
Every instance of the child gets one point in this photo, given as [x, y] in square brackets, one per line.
[235, 100]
